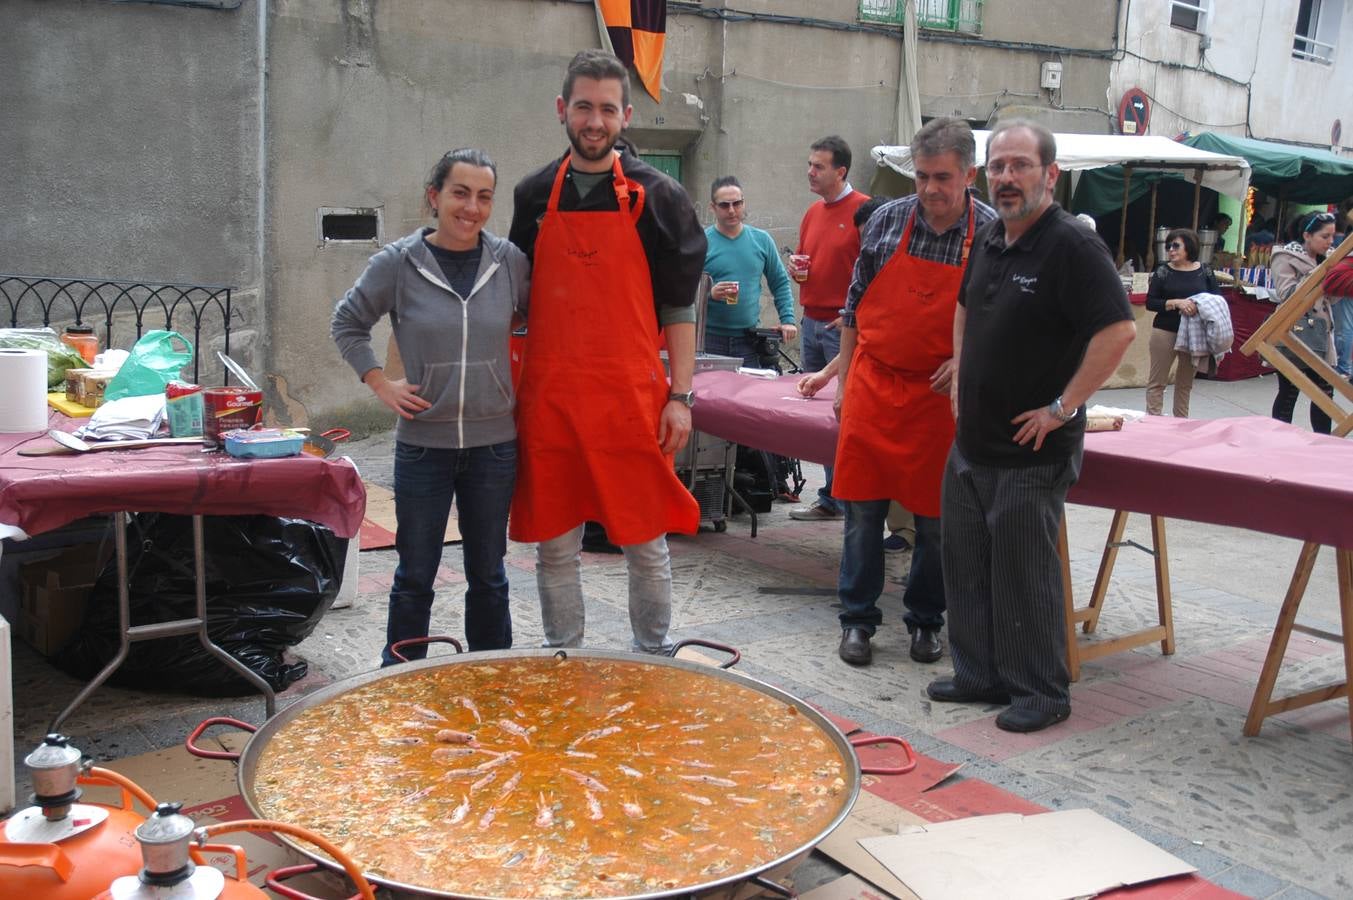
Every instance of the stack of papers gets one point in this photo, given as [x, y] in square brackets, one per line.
[128, 419]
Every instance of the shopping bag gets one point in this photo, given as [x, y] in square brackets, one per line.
[155, 361]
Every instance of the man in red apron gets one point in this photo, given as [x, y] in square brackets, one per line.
[617, 252]
[893, 395]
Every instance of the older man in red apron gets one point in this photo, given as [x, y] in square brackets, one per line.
[893, 397]
[617, 252]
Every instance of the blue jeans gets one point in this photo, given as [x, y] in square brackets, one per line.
[819, 345]
[1342, 311]
[737, 345]
[861, 581]
[480, 480]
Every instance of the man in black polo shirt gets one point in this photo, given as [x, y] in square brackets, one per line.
[1042, 322]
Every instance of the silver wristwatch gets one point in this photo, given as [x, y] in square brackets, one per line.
[1059, 412]
[687, 398]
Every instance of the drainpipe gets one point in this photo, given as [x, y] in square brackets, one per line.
[908, 91]
[261, 167]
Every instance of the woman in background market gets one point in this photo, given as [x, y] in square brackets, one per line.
[1172, 284]
[451, 291]
[1312, 233]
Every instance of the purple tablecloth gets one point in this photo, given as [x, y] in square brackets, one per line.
[1252, 472]
[39, 493]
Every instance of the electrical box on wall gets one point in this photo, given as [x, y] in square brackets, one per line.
[1050, 76]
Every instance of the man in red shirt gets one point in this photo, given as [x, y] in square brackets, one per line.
[829, 242]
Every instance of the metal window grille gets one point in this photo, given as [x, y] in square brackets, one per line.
[939, 15]
[1311, 21]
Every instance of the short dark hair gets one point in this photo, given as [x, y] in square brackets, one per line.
[1189, 238]
[945, 135]
[1047, 144]
[470, 156]
[724, 181]
[839, 149]
[598, 65]
[867, 209]
[1219, 216]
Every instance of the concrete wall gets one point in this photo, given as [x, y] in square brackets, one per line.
[138, 132]
[130, 142]
[1247, 74]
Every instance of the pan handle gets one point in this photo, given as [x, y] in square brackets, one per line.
[724, 648]
[414, 642]
[870, 739]
[337, 435]
[215, 754]
[277, 876]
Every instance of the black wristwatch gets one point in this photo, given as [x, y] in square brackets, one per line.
[1059, 412]
[687, 398]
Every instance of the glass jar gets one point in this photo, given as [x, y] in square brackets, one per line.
[82, 340]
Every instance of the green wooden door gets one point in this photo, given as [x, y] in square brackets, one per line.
[667, 163]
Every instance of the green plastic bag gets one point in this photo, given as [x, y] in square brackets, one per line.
[155, 361]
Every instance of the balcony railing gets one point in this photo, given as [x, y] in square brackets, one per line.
[118, 305]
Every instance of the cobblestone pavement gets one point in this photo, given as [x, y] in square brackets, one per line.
[1153, 742]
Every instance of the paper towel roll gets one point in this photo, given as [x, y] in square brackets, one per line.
[23, 402]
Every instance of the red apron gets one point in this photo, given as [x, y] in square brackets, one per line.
[592, 383]
[895, 431]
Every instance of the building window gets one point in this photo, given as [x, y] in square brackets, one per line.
[939, 15]
[1190, 15]
[1317, 29]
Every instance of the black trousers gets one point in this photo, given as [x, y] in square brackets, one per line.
[1003, 578]
[1286, 402]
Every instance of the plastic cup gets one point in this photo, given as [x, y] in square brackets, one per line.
[798, 266]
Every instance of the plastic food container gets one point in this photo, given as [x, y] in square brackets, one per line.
[263, 443]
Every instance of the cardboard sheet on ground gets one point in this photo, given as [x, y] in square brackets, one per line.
[870, 817]
[378, 526]
[849, 887]
[1075, 853]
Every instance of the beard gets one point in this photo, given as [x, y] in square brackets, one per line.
[583, 151]
[1027, 206]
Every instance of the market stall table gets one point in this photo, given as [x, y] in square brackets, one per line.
[1255, 473]
[1247, 314]
[41, 493]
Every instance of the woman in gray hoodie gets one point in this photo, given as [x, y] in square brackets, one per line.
[1312, 235]
[451, 292]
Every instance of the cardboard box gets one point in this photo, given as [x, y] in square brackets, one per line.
[54, 595]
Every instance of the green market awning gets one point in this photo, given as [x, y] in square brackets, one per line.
[1296, 174]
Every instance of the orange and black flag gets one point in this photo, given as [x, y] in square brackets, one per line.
[638, 31]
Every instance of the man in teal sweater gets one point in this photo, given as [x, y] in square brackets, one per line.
[737, 259]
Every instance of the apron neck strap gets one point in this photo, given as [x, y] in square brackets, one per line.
[632, 203]
[967, 241]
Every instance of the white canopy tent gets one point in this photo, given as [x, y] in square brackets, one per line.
[1229, 175]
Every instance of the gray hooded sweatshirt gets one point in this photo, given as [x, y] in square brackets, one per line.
[454, 348]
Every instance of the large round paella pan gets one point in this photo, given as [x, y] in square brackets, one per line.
[556, 774]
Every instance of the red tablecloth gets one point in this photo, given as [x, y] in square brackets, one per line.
[767, 414]
[39, 493]
[1252, 472]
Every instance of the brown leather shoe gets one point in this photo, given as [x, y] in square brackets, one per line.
[855, 647]
[945, 690]
[926, 646]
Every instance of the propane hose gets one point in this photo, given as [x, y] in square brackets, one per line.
[363, 886]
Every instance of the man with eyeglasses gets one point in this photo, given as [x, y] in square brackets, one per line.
[738, 258]
[1042, 322]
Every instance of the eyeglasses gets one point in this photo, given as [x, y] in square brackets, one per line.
[1174, 245]
[1016, 167]
[729, 204]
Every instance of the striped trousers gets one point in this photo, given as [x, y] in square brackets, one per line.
[1003, 578]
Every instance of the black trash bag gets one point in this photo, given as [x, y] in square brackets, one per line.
[268, 580]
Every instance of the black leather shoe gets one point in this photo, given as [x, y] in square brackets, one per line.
[1018, 718]
[946, 691]
[925, 645]
[855, 647]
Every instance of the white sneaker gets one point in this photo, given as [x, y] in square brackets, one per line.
[814, 513]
